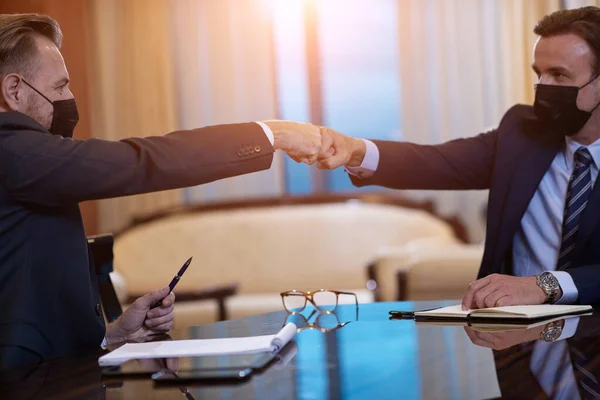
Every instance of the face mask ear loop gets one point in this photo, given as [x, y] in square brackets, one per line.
[38, 92]
[590, 81]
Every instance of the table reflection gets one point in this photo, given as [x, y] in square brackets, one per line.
[553, 357]
[370, 357]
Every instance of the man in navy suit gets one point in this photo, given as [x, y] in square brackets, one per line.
[540, 166]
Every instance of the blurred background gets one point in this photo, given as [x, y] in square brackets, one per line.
[425, 71]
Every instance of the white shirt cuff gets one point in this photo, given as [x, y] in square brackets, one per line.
[268, 132]
[570, 292]
[569, 328]
[369, 164]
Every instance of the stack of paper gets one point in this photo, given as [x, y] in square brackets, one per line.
[200, 347]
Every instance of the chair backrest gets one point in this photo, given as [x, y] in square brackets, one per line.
[101, 253]
[270, 248]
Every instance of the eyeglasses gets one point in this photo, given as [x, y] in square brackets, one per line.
[324, 300]
[328, 322]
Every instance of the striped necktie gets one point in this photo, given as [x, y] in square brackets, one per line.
[580, 187]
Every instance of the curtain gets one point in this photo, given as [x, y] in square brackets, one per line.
[132, 84]
[463, 63]
[580, 3]
[225, 73]
[162, 65]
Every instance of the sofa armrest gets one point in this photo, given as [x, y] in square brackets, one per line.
[217, 293]
[425, 270]
[389, 261]
[382, 275]
[120, 286]
[439, 274]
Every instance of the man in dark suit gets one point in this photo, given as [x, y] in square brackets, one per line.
[48, 291]
[540, 166]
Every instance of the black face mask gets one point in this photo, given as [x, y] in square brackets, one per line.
[556, 107]
[64, 117]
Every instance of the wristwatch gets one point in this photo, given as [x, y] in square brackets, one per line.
[549, 284]
[552, 331]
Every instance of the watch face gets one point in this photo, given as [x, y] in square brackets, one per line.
[549, 280]
[551, 335]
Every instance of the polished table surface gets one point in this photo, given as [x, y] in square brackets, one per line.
[372, 358]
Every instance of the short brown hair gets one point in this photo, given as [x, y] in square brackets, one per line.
[583, 22]
[17, 40]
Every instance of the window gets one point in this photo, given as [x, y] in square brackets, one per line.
[352, 46]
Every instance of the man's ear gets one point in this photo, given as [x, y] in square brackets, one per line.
[12, 92]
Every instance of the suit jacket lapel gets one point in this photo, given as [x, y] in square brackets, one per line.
[588, 220]
[532, 162]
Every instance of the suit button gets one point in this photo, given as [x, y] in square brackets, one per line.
[246, 152]
[240, 153]
[257, 149]
[98, 310]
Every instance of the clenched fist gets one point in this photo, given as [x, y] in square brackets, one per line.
[301, 141]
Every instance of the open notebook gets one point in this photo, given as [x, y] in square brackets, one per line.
[200, 347]
[493, 326]
[496, 315]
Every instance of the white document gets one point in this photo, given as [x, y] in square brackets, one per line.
[200, 347]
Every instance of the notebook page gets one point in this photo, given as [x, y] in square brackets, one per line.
[532, 311]
[200, 347]
[450, 310]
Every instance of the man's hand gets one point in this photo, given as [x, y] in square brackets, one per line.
[301, 141]
[337, 150]
[503, 290]
[139, 321]
[505, 339]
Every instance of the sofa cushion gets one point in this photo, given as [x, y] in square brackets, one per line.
[267, 250]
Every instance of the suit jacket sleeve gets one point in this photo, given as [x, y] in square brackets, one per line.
[587, 281]
[460, 164]
[589, 325]
[40, 168]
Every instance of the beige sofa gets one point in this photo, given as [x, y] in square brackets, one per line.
[268, 246]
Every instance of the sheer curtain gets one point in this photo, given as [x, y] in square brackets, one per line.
[463, 63]
[580, 3]
[133, 88]
[225, 73]
[162, 65]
